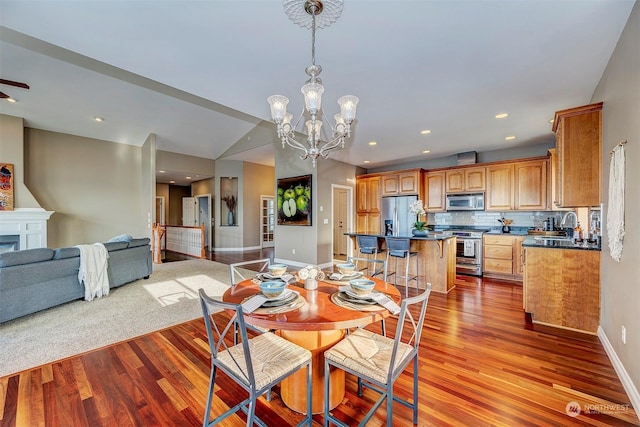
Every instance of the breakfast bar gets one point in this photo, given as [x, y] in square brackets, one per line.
[436, 256]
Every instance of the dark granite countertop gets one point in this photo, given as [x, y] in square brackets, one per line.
[430, 236]
[540, 242]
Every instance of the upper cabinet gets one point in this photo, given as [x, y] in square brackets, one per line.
[401, 183]
[500, 186]
[531, 185]
[578, 156]
[465, 180]
[434, 191]
[368, 204]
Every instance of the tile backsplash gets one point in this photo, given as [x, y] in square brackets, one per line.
[490, 219]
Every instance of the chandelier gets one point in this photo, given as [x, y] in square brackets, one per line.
[312, 14]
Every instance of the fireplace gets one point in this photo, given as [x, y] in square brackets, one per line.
[9, 243]
[23, 228]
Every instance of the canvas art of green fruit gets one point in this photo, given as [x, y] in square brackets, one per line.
[289, 207]
[302, 202]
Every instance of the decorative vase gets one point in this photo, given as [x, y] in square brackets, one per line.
[419, 233]
[230, 218]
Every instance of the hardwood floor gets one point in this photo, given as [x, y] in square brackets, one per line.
[481, 364]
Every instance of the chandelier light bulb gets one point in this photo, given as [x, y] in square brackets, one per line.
[278, 107]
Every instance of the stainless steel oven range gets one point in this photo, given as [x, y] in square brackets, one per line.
[468, 251]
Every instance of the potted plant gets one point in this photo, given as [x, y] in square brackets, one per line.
[230, 201]
[417, 208]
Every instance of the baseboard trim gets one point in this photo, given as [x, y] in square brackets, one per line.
[249, 248]
[624, 377]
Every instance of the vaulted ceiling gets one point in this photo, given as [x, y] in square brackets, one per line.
[197, 73]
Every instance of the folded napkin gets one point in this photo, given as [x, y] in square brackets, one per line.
[253, 303]
[265, 277]
[380, 298]
[386, 302]
[350, 276]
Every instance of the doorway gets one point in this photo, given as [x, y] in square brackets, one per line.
[341, 202]
[160, 210]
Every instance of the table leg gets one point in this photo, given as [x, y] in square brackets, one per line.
[292, 389]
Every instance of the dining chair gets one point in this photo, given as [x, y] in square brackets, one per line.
[373, 266]
[377, 266]
[400, 248]
[237, 274]
[256, 364]
[378, 361]
[368, 246]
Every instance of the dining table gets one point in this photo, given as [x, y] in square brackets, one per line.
[316, 320]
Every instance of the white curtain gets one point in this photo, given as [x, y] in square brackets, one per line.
[615, 216]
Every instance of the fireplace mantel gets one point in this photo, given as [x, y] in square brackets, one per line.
[29, 223]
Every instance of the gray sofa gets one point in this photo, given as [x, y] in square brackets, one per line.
[35, 279]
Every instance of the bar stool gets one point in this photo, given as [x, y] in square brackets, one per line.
[398, 247]
[368, 245]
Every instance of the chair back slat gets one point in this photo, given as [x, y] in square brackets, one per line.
[397, 244]
[374, 266]
[367, 241]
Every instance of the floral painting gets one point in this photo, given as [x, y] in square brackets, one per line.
[294, 200]
[6, 187]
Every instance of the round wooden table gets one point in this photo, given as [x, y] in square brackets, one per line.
[316, 326]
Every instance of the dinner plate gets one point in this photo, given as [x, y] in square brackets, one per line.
[285, 298]
[354, 295]
[346, 277]
[356, 300]
[268, 276]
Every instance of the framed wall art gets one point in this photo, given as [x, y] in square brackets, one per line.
[6, 187]
[294, 200]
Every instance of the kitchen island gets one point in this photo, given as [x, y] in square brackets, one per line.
[436, 256]
[561, 285]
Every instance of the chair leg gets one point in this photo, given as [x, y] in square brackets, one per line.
[207, 411]
[390, 404]
[252, 410]
[406, 275]
[384, 328]
[415, 389]
[326, 393]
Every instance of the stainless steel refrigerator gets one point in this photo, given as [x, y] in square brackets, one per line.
[396, 219]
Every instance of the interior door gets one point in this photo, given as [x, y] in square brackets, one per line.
[268, 225]
[204, 217]
[340, 218]
[189, 217]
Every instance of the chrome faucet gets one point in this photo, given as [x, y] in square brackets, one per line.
[565, 216]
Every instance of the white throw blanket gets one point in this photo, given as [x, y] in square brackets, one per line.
[93, 270]
[615, 216]
[469, 248]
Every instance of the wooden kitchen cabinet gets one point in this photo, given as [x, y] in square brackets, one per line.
[531, 185]
[500, 187]
[501, 256]
[578, 156]
[562, 287]
[368, 204]
[434, 188]
[401, 183]
[465, 180]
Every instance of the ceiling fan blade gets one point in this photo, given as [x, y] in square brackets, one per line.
[12, 83]
[3, 95]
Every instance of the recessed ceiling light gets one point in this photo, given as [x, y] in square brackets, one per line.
[426, 151]
[502, 115]
[161, 171]
[172, 182]
[11, 100]
[366, 161]
[373, 142]
[98, 119]
[510, 138]
[426, 132]
[187, 177]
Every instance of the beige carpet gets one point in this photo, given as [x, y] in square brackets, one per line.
[168, 297]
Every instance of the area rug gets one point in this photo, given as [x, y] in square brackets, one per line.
[167, 298]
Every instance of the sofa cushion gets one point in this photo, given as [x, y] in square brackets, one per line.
[27, 256]
[62, 253]
[116, 246]
[139, 242]
[121, 238]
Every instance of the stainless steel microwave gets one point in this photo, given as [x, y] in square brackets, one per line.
[465, 202]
